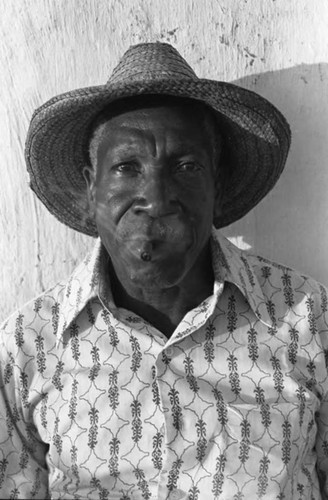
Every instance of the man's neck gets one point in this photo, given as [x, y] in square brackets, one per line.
[165, 308]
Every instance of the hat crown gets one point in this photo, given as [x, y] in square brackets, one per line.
[151, 61]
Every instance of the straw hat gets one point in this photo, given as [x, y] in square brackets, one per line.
[255, 132]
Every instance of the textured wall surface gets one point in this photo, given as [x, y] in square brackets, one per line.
[277, 48]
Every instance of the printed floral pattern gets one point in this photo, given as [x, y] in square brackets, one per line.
[96, 403]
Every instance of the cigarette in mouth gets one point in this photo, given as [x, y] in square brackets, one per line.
[146, 251]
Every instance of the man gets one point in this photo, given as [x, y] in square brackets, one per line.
[171, 365]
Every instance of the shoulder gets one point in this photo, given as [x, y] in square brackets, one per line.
[285, 285]
[39, 316]
[267, 270]
[269, 284]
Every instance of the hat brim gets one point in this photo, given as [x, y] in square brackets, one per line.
[256, 135]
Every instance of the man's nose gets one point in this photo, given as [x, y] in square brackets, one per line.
[156, 198]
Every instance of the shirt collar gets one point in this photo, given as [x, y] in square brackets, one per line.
[81, 287]
[230, 264]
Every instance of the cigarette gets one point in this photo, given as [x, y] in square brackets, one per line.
[146, 251]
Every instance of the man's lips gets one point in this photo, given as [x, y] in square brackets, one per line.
[156, 238]
[149, 249]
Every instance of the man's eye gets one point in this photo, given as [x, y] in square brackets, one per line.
[187, 166]
[127, 168]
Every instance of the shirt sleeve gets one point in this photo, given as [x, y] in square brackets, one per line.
[23, 469]
[322, 416]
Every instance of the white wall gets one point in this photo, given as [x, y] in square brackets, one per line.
[276, 47]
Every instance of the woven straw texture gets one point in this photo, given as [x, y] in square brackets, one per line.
[256, 134]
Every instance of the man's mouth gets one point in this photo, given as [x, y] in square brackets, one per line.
[157, 239]
[148, 249]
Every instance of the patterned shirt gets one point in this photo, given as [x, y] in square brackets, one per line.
[98, 404]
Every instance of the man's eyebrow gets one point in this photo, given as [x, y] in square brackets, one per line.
[176, 151]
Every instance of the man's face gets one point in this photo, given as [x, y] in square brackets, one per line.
[154, 190]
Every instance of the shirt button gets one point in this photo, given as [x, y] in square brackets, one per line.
[169, 351]
[178, 495]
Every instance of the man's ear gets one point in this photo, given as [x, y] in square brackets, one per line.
[89, 175]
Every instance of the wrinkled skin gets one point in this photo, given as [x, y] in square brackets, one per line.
[154, 190]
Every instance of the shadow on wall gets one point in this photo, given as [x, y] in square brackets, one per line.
[291, 224]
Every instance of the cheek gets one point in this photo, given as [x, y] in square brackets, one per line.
[111, 202]
[204, 206]
[200, 195]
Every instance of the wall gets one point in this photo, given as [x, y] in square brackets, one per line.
[275, 47]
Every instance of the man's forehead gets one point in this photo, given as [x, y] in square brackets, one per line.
[165, 127]
[183, 120]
